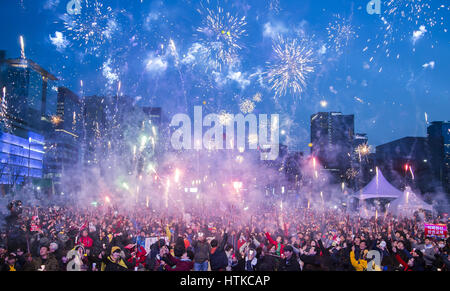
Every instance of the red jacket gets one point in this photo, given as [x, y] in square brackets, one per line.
[240, 243]
[180, 265]
[275, 243]
[141, 255]
[86, 241]
[404, 264]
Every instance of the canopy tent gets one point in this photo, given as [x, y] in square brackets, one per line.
[407, 204]
[379, 187]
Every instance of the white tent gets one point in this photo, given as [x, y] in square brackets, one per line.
[407, 204]
[379, 187]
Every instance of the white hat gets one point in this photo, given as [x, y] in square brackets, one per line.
[53, 246]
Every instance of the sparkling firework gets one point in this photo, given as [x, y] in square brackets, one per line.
[91, 28]
[274, 5]
[293, 63]
[340, 32]
[247, 106]
[220, 36]
[4, 111]
[225, 118]
[351, 173]
[257, 97]
[363, 150]
[400, 14]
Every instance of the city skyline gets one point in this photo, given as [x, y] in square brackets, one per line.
[400, 80]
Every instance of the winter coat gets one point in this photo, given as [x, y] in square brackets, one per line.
[359, 265]
[277, 245]
[179, 265]
[86, 242]
[51, 264]
[290, 264]
[218, 258]
[110, 266]
[201, 250]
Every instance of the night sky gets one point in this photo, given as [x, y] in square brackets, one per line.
[390, 70]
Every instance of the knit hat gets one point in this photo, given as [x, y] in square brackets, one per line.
[115, 250]
[53, 246]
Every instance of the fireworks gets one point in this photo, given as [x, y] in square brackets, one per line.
[410, 14]
[22, 48]
[225, 118]
[340, 32]
[274, 5]
[4, 111]
[93, 27]
[351, 173]
[56, 119]
[247, 106]
[362, 150]
[293, 63]
[220, 36]
[257, 97]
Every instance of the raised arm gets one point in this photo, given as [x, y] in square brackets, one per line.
[270, 239]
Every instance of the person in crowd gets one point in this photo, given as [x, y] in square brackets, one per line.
[46, 261]
[201, 249]
[218, 257]
[114, 262]
[185, 263]
[289, 263]
[44, 238]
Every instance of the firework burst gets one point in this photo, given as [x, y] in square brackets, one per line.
[91, 28]
[225, 118]
[405, 15]
[247, 106]
[293, 63]
[257, 97]
[340, 32]
[363, 150]
[220, 36]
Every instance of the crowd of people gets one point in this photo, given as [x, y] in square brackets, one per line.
[295, 239]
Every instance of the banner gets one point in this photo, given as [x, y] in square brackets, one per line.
[151, 240]
[439, 230]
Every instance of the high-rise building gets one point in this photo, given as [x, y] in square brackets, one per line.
[31, 94]
[439, 142]
[63, 144]
[332, 136]
[28, 106]
[405, 162]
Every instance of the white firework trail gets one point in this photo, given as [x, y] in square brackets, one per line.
[294, 62]
[174, 53]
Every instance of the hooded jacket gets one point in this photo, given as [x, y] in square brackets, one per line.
[359, 265]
